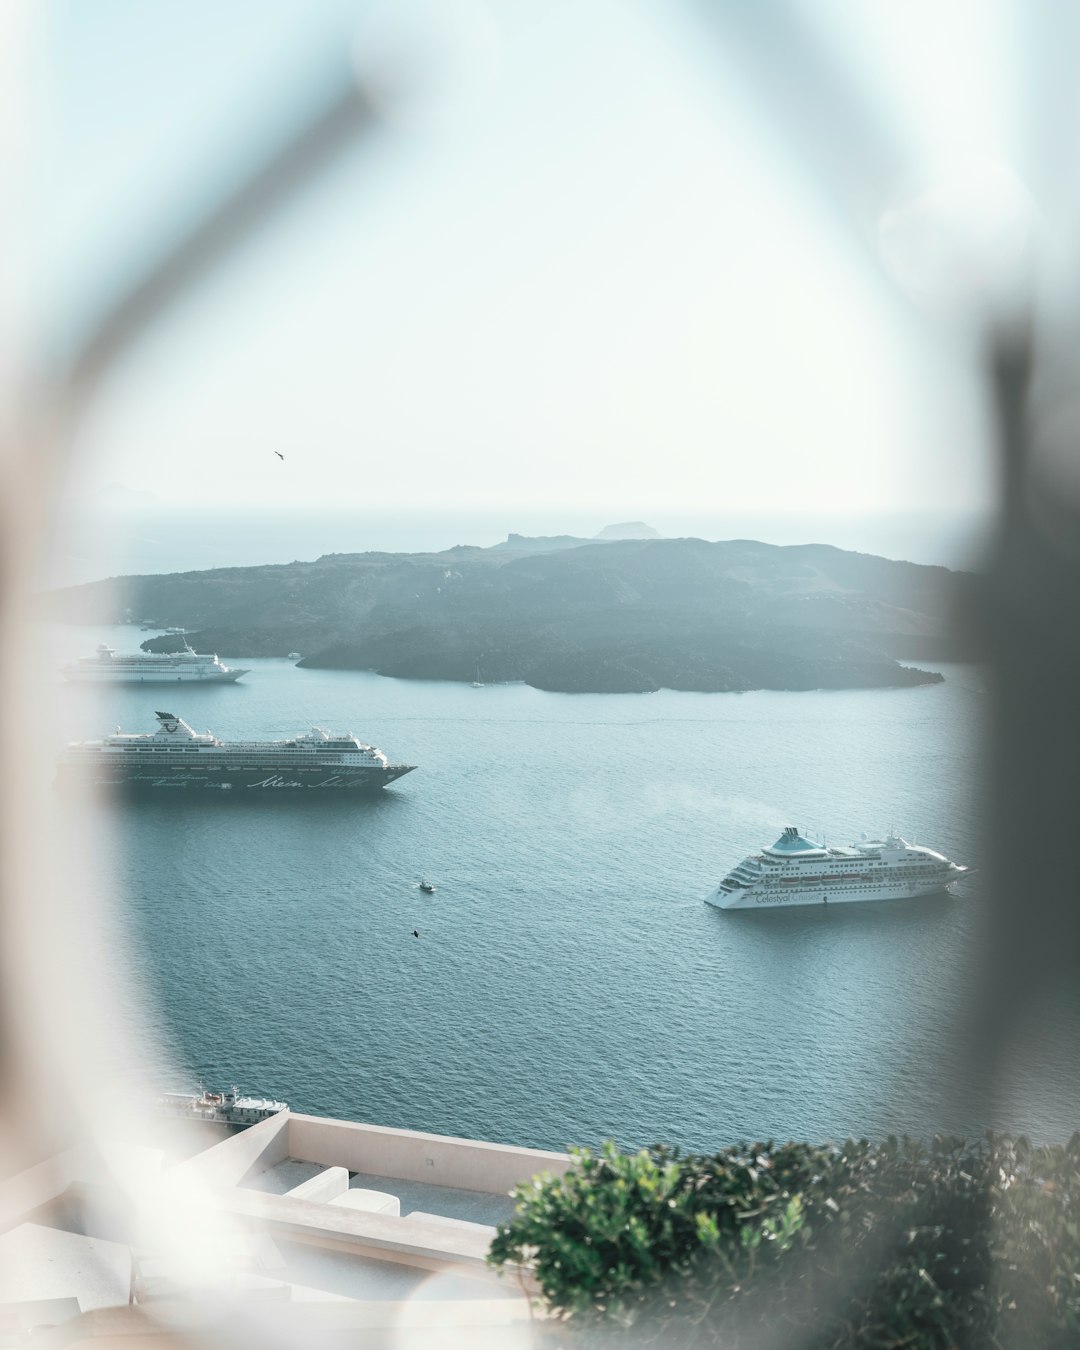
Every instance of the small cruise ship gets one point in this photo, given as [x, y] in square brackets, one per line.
[107, 666]
[220, 1108]
[175, 757]
[798, 871]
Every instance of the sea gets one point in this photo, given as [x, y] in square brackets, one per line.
[568, 983]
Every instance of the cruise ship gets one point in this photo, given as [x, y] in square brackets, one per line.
[220, 1108]
[177, 758]
[798, 871]
[187, 667]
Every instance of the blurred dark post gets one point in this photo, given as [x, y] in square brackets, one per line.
[1028, 619]
[1025, 621]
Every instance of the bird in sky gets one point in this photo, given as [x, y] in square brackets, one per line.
[415, 933]
[280, 456]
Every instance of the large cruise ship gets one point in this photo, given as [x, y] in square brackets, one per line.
[177, 758]
[797, 871]
[188, 667]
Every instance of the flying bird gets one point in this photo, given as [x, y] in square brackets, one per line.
[280, 456]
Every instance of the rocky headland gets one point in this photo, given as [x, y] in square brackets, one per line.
[581, 616]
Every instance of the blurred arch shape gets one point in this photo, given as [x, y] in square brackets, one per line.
[79, 1057]
[67, 1046]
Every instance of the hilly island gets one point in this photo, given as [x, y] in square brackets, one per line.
[565, 614]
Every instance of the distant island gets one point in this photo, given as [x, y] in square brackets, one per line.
[629, 529]
[605, 615]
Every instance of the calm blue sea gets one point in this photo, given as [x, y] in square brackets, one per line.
[568, 984]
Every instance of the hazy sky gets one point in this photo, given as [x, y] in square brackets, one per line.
[581, 265]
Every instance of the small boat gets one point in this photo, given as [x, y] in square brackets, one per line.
[427, 887]
[220, 1108]
[294, 656]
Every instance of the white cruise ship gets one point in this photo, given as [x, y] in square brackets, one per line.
[187, 667]
[797, 871]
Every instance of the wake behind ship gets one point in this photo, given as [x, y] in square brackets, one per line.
[177, 758]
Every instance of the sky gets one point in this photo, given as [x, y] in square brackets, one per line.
[597, 256]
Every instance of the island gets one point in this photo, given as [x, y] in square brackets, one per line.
[606, 615]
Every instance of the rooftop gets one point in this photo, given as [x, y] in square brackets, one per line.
[336, 1224]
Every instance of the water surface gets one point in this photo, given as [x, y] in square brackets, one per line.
[568, 983]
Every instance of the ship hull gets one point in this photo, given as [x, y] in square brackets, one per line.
[272, 780]
[153, 677]
[775, 897]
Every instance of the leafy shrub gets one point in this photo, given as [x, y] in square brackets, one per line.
[947, 1246]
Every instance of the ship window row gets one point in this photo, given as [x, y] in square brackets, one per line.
[246, 747]
[193, 754]
[254, 749]
[234, 757]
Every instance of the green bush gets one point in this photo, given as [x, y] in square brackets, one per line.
[947, 1246]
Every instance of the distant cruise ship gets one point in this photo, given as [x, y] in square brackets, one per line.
[220, 1108]
[177, 758]
[187, 667]
[797, 871]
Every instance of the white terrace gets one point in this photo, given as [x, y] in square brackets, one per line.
[307, 1229]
